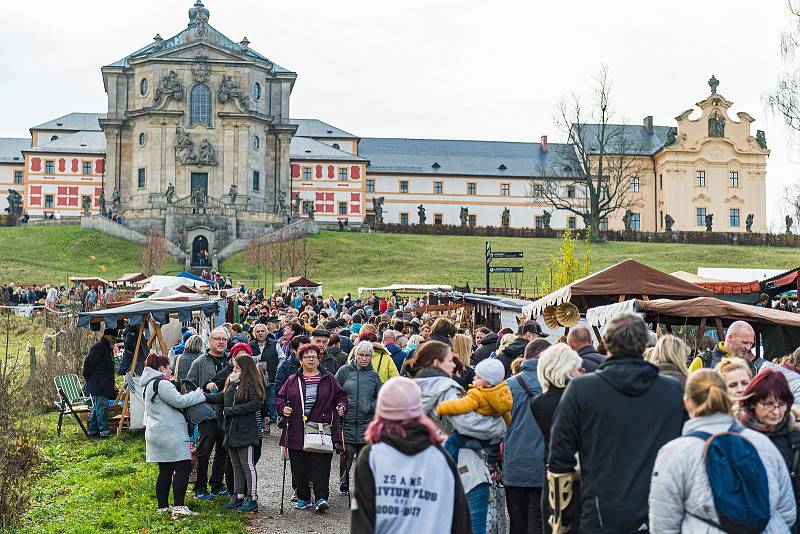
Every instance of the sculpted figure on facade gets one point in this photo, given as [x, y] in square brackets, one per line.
[207, 154]
[184, 146]
[710, 222]
[115, 199]
[377, 208]
[169, 86]
[748, 223]
[233, 192]
[198, 197]
[716, 125]
[230, 89]
[282, 202]
[668, 222]
[421, 214]
[464, 215]
[170, 194]
[761, 139]
[200, 69]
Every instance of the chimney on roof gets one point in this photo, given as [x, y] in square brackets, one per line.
[244, 43]
[648, 124]
[544, 144]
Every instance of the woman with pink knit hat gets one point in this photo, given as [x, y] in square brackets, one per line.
[404, 480]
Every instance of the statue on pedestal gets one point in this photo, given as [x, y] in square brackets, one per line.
[668, 222]
[546, 219]
[709, 222]
[198, 197]
[207, 154]
[377, 208]
[505, 218]
[789, 222]
[282, 202]
[115, 199]
[748, 223]
[86, 205]
[464, 215]
[14, 199]
[627, 219]
[170, 194]
[233, 192]
[421, 214]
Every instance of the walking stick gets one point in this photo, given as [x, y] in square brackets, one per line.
[285, 454]
[344, 454]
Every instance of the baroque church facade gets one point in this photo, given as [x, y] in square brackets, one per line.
[198, 141]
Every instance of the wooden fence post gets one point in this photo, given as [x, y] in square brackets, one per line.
[32, 366]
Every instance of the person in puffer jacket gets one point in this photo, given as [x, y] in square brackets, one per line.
[680, 494]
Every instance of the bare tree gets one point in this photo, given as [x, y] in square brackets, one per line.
[791, 194]
[785, 99]
[592, 177]
[154, 252]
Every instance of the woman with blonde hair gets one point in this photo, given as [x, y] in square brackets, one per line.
[462, 345]
[669, 355]
[557, 365]
[680, 492]
[736, 374]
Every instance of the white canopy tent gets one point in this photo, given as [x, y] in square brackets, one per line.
[160, 281]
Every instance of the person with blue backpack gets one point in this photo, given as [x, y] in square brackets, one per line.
[719, 476]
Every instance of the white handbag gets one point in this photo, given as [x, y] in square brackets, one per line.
[316, 436]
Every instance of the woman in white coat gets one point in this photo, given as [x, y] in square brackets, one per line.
[166, 435]
[680, 494]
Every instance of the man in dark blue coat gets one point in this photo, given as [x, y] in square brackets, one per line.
[98, 371]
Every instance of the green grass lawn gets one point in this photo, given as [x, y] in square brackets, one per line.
[106, 486]
[344, 261]
[51, 254]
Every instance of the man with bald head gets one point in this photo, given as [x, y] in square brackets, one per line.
[738, 341]
[579, 339]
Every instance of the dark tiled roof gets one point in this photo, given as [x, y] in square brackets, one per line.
[74, 122]
[78, 143]
[11, 149]
[468, 158]
[624, 139]
[305, 148]
[212, 36]
[317, 128]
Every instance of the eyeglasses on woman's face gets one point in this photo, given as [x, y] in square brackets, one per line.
[772, 406]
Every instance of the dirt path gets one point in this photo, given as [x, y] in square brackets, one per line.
[270, 471]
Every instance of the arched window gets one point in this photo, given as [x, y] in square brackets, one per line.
[200, 106]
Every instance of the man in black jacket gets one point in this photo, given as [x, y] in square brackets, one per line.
[579, 339]
[98, 371]
[486, 346]
[616, 419]
[265, 351]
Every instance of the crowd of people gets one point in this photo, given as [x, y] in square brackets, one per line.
[433, 422]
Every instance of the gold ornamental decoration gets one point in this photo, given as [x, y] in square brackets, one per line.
[567, 314]
[549, 314]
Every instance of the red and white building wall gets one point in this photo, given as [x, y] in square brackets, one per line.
[337, 189]
[58, 182]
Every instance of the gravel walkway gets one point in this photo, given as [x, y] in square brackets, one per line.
[270, 472]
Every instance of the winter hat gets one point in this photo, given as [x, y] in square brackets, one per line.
[399, 399]
[239, 347]
[491, 370]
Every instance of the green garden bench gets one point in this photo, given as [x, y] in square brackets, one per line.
[71, 399]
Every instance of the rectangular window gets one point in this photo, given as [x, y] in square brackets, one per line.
[256, 181]
[438, 188]
[48, 201]
[734, 217]
[343, 174]
[505, 190]
[661, 181]
[733, 179]
[18, 177]
[404, 186]
[572, 223]
[636, 222]
[403, 218]
[140, 179]
[634, 184]
[570, 191]
[473, 220]
[49, 166]
[437, 218]
[87, 167]
[472, 188]
[307, 173]
[539, 222]
[701, 217]
[604, 223]
[342, 208]
[700, 179]
[370, 186]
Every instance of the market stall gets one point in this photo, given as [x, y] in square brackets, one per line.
[413, 289]
[777, 331]
[148, 314]
[301, 283]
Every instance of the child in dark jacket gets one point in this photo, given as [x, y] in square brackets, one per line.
[242, 398]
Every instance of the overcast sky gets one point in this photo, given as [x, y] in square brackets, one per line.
[438, 68]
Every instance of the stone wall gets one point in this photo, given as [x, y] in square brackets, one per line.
[716, 238]
[292, 231]
[103, 224]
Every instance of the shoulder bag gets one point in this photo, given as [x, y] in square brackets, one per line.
[316, 436]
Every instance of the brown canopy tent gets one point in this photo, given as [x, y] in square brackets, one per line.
[779, 330]
[615, 284]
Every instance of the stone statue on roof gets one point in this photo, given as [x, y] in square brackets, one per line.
[749, 223]
[421, 214]
[761, 139]
[713, 82]
[672, 136]
[199, 15]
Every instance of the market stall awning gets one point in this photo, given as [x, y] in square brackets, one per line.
[299, 281]
[159, 281]
[89, 280]
[130, 278]
[625, 279]
[785, 281]
[415, 288]
[515, 305]
[159, 309]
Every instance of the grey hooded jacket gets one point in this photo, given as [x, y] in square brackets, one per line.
[679, 489]
[523, 449]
